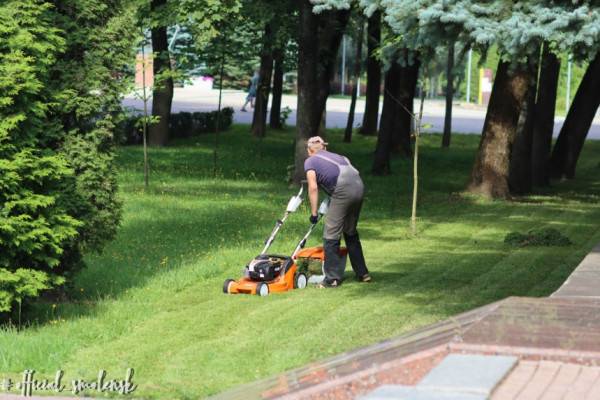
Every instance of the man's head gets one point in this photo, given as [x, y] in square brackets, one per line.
[315, 144]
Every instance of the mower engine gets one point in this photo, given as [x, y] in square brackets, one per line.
[267, 267]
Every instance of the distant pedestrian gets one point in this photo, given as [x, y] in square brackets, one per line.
[251, 91]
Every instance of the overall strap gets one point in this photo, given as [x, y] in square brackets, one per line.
[330, 160]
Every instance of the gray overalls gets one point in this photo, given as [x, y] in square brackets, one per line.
[342, 217]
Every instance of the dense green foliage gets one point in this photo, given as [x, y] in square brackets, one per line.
[35, 225]
[90, 78]
[160, 309]
[59, 97]
[206, 30]
[235, 40]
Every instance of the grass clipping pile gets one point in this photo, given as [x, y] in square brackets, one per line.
[537, 237]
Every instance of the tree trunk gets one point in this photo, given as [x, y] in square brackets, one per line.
[318, 42]
[405, 97]
[544, 118]
[259, 118]
[381, 162]
[275, 115]
[491, 169]
[357, 65]
[577, 124]
[369, 124]
[519, 169]
[162, 93]
[449, 96]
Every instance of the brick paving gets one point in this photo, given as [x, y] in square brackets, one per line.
[550, 380]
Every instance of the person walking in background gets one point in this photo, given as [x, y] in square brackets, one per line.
[251, 91]
[341, 181]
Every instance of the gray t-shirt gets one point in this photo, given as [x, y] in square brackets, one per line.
[327, 172]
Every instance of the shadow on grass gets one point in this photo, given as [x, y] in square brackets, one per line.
[166, 224]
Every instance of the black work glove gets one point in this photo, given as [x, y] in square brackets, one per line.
[314, 219]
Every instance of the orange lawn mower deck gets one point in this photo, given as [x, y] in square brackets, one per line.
[275, 273]
[293, 273]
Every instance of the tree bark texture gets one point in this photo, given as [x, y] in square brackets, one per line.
[318, 42]
[577, 124]
[543, 125]
[357, 65]
[381, 161]
[449, 96]
[395, 125]
[275, 115]
[162, 93]
[519, 175]
[490, 175]
[371, 115]
[404, 100]
[259, 118]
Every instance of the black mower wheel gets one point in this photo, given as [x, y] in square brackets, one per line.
[262, 289]
[226, 285]
[300, 281]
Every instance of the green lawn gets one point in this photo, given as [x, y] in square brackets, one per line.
[153, 300]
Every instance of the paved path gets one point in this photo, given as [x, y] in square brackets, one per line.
[467, 118]
[585, 280]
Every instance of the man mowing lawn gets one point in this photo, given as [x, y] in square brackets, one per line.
[341, 181]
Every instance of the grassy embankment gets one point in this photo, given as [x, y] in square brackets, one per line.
[153, 299]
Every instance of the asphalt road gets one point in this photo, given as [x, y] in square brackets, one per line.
[466, 118]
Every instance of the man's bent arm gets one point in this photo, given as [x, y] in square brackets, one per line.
[313, 191]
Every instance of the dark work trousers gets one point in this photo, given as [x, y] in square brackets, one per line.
[342, 218]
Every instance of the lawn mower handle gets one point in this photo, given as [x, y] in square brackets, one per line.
[295, 201]
[292, 206]
[302, 242]
[274, 233]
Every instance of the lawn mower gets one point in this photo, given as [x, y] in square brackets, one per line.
[269, 273]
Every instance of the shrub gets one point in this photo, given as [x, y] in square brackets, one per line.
[34, 224]
[537, 237]
[181, 125]
[206, 122]
[284, 115]
[60, 97]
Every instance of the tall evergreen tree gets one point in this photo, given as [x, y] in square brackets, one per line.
[63, 77]
[518, 30]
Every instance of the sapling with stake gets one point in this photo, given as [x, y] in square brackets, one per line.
[145, 96]
[417, 135]
[418, 119]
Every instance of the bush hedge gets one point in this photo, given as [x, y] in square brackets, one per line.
[181, 125]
